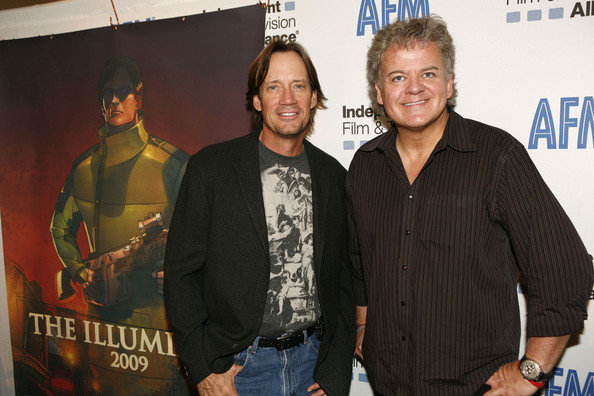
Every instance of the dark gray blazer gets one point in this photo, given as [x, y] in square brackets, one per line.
[217, 263]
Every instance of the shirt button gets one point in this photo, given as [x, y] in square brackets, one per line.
[235, 346]
[404, 267]
[403, 338]
[410, 197]
[407, 232]
[402, 303]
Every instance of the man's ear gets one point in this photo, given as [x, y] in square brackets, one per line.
[378, 91]
[314, 99]
[257, 103]
[138, 102]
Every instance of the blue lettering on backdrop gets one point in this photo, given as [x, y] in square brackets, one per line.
[368, 15]
[565, 121]
[543, 126]
[586, 122]
[412, 10]
[551, 389]
[387, 9]
[572, 384]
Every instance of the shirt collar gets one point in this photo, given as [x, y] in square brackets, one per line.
[124, 145]
[456, 135]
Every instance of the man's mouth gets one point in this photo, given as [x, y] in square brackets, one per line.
[416, 103]
[288, 114]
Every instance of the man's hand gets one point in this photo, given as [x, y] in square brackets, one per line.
[220, 384]
[360, 320]
[509, 381]
[159, 278]
[359, 343]
[316, 387]
[86, 277]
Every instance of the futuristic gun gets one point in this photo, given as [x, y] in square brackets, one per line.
[111, 282]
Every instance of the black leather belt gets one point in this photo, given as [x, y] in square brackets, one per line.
[286, 341]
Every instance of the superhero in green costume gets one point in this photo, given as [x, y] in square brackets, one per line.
[125, 178]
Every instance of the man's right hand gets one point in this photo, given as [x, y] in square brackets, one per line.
[360, 320]
[359, 343]
[220, 384]
[85, 277]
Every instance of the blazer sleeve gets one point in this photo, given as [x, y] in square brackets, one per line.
[185, 256]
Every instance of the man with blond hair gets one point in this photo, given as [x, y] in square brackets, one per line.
[446, 214]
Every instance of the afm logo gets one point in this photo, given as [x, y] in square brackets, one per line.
[543, 124]
[579, 9]
[369, 15]
[572, 384]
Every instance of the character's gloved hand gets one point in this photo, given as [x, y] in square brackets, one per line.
[159, 277]
[92, 284]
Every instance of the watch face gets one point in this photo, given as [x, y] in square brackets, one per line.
[530, 370]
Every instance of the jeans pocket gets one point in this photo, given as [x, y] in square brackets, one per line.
[313, 343]
[242, 359]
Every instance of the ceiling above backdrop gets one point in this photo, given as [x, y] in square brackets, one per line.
[32, 18]
[8, 4]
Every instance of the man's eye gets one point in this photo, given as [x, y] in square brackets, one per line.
[398, 78]
[428, 74]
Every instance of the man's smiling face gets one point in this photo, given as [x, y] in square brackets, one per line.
[414, 86]
[285, 98]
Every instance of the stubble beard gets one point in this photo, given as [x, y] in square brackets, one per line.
[292, 134]
[289, 135]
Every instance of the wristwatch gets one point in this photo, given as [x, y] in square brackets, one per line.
[531, 371]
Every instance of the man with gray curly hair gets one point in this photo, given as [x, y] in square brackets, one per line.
[445, 215]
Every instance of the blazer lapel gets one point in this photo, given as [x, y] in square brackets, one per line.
[247, 167]
[320, 192]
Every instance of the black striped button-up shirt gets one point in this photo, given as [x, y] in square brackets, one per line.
[437, 262]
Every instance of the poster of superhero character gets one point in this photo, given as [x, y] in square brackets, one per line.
[95, 130]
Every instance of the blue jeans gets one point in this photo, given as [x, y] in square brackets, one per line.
[267, 371]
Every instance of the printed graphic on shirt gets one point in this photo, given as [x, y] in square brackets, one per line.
[292, 301]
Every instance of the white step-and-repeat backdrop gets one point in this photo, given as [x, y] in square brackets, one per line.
[523, 65]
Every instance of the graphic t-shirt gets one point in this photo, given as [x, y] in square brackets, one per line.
[292, 302]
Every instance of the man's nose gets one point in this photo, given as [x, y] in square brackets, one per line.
[288, 97]
[115, 100]
[415, 85]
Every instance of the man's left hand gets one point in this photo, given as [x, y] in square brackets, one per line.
[159, 278]
[508, 381]
[318, 391]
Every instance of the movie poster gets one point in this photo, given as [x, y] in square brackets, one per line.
[95, 131]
